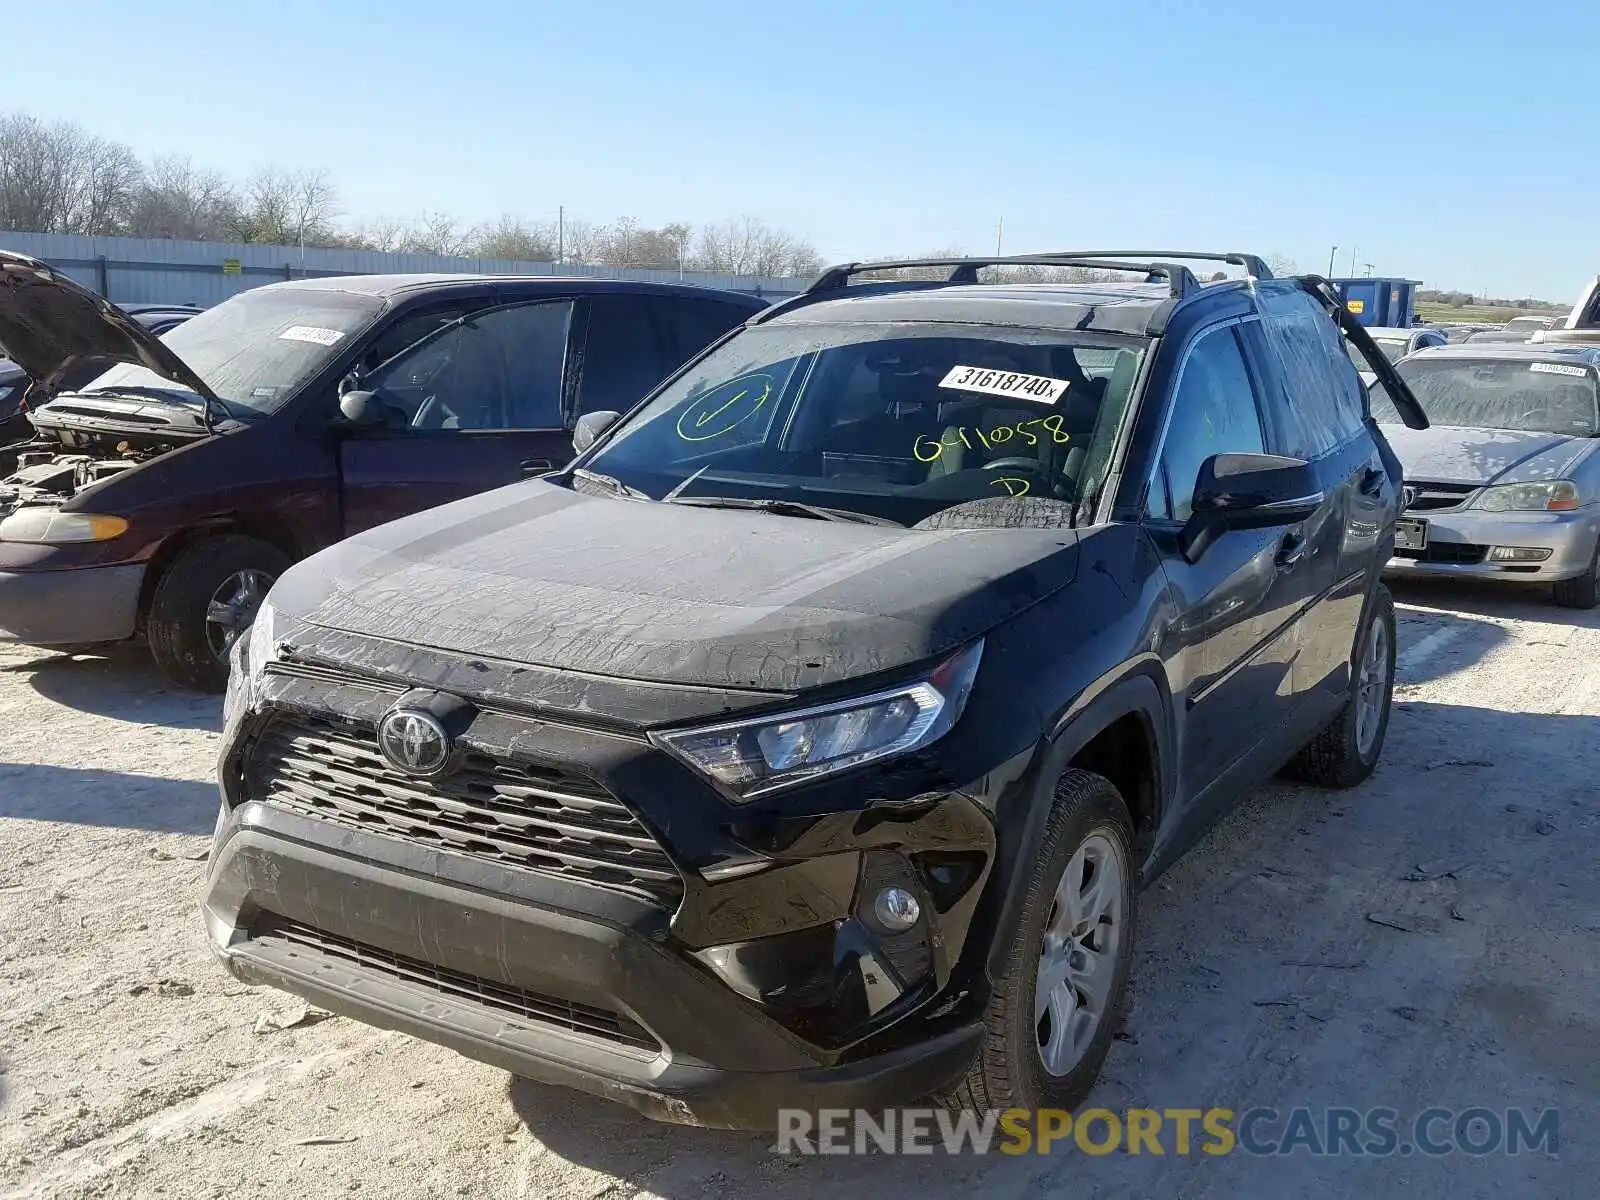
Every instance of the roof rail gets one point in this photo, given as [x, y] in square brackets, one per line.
[965, 270]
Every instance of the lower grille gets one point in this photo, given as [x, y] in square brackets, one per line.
[535, 1007]
[1458, 553]
[538, 818]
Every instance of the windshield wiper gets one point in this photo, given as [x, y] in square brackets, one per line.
[612, 484]
[786, 508]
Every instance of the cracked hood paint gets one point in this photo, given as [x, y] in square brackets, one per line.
[1455, 454]
[540, 575]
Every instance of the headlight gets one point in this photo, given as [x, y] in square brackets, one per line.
[766, 753]
[39, 523]
[1552, 495]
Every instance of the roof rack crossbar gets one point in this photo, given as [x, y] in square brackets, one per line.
[965, 269]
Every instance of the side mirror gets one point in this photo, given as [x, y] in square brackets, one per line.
[589, 428]
[1248, 491]
[360, 410]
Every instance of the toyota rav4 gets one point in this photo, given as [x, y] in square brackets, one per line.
[804, 742]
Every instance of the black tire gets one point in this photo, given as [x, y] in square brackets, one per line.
[176, 625]
[1582, 592]
[1008, 1071]
[1335, 758]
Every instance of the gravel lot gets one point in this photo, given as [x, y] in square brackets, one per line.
[132, 1066]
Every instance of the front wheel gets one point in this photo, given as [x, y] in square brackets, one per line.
[1347, 749]
[1582, 592]
[1054, 1010]
[204, 602]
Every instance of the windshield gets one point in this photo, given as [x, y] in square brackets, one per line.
[896, 422]
[256, 348]
[1394, 349]
[1541, 397]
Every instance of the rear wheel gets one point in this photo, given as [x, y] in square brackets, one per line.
[1347, 749]
[204, 602]
[1582, 592]
[1054, 1010]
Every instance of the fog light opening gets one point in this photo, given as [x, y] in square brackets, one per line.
[1518, 554]
[896, 910]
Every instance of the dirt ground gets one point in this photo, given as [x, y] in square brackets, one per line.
[1288, 960]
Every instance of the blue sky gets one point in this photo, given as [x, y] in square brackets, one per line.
[1411, 132]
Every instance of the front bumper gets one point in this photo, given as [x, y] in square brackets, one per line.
[55, 608]
[562, 960]
[1460, 542]
[748, 982]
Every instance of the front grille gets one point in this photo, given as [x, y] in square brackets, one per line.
[539, 818]
[297, 939]
[1435, 497]
[1458, 553]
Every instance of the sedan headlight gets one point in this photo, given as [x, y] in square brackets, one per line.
[760, 755]
[1551, 495]
[41, 523]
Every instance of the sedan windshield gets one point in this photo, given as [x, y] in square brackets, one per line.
[1539, 397]
[256, 348]
[888, 422]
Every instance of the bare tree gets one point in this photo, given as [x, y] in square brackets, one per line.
[749, 246]
[287, 208]
[60, 179]
[439, 233]
[1282, 264]
[581, 242]
[512, 238]
[179, 200]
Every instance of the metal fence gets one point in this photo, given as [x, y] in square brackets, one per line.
[162, 271]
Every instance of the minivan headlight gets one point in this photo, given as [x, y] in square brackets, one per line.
[749, 758]
[1550, 495]
[51, 526]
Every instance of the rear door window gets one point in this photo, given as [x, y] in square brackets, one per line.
[1314, 397]
[626, 354]
[692, 325]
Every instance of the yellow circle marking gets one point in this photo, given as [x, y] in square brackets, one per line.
[706, 418]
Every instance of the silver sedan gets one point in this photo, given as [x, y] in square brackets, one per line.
[1505, 484]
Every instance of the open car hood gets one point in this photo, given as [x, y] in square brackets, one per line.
[48, 324]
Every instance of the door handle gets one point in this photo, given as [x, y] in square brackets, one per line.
[536, 466]
[1291, 549]
[1372, 481]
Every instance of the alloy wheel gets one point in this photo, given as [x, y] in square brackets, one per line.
[1078, 960]
[1372, 688]
[232, 608]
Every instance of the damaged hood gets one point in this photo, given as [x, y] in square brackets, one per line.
[1454, 454]
[539, 575]
[49, 325]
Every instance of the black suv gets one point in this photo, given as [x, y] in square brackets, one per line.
[803, 743]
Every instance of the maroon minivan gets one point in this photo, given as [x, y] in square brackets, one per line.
[161, 499]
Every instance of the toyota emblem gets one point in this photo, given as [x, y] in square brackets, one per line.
[414, 741]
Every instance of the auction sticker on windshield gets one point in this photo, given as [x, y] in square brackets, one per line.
[310, 333]
[1004, 383]
[1559, 369]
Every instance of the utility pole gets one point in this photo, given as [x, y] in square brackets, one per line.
[561, 234]
[1369, 267]
[1331, 254]
[1352, 261]
[999, 236]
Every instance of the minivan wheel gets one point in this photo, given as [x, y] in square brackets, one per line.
[1054, 1010]
[1582, 592]
[204, 602]
[1347, 749]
